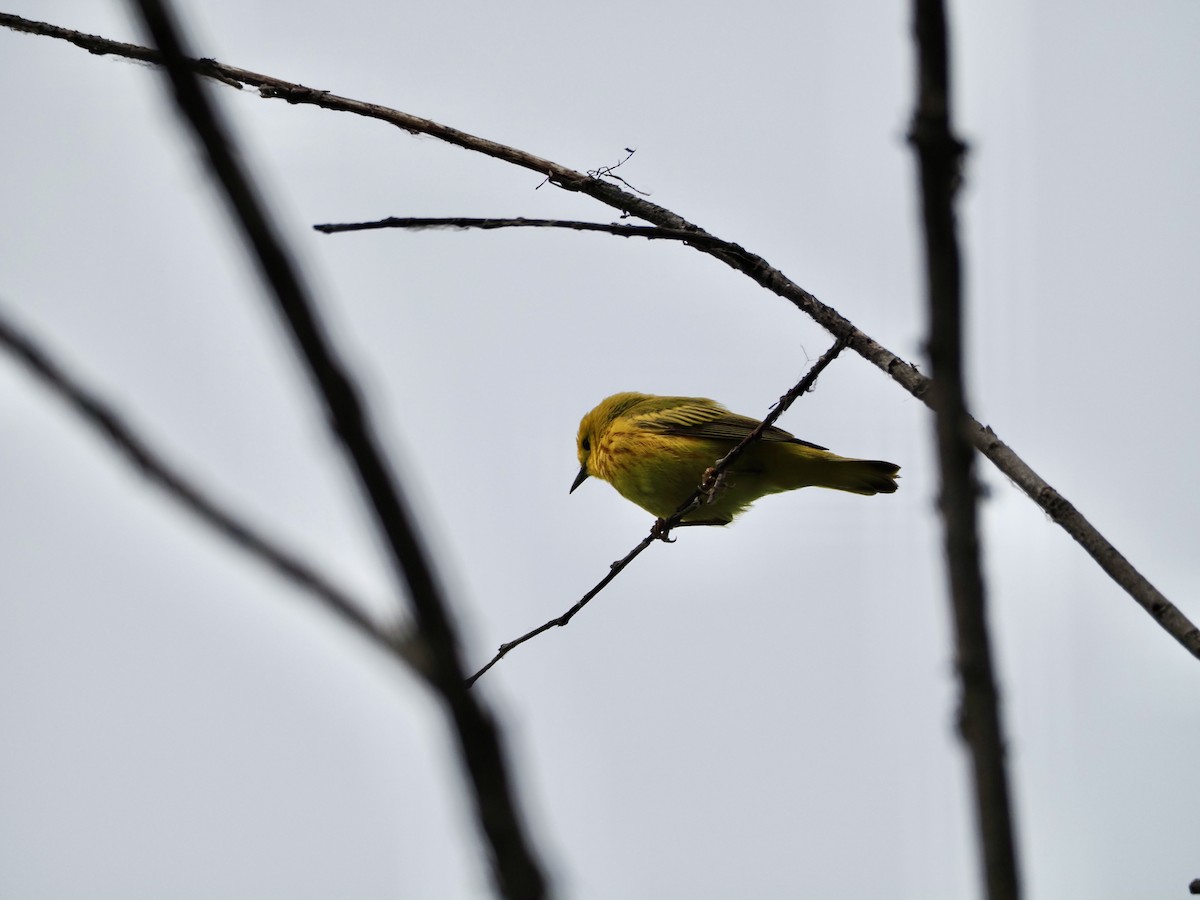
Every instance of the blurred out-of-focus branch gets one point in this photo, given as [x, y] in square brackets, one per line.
[939, 155]
[515, 867]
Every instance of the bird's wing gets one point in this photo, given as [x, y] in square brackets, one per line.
[700, 418]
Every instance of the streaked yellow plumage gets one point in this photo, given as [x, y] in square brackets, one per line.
[655, 450]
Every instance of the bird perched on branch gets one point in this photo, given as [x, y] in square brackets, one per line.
[656, 451]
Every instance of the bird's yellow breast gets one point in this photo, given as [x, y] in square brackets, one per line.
[657, 472]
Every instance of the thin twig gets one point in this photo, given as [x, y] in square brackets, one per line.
[607, 172]
[651, 232]
[613, 571]
[803, 386]
[1165, 613]
[662, 528]
[940, 153]
[514, 865]
[103, 418]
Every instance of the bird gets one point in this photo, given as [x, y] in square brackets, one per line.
[656, 451]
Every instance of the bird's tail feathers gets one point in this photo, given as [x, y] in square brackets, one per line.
[857, 476]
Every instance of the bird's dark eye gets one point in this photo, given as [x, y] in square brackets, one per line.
[587, 444]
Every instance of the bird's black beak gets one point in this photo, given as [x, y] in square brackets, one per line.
[579, 479]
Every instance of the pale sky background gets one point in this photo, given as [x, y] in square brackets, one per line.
[759, 711]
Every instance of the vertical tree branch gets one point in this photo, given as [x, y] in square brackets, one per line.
[940, 154]
[515, 868]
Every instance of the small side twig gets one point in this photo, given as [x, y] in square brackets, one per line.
[662, 528]
[607, 172]
[651, 232]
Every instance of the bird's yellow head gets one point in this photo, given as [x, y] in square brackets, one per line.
[594, 426]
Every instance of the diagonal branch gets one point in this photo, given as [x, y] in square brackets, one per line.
[106, 421]
[1060, 510]
[662, 527]
[514, 865]
[939, 153]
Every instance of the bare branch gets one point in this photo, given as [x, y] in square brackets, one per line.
[105, 420]
[90, 42]
[1165, 613]
[803, 386]
[645, 231]
[662, 527]
[940, 153]
[613, 571]
[514, 866]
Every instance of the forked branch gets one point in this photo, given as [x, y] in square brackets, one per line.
[1165, 613]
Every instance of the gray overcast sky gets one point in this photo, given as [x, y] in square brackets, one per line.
[759, 711]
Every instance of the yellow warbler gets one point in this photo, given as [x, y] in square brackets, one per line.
[655, 450]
